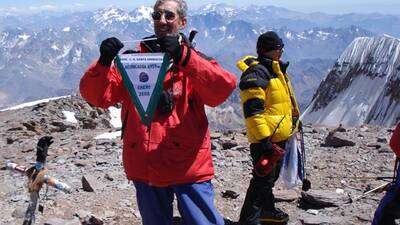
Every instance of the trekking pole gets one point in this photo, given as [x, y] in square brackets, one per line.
[377, 189]
[362, 178]
[306, 183]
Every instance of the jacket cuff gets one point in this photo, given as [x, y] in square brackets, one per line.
[97, 69]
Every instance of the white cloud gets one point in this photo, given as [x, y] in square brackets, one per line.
[9, 11]
[12, 9]
[76, 4]
[43, 8]
[74, 7]
[40, 8]
[28, 9]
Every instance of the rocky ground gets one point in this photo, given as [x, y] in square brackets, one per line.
[338, 174]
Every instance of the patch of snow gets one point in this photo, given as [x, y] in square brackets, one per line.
[143, 13]
[289, 35]
[301, 36]
[339, 191]
[3, 37]
[109, 135]
[67, 29]
[66, 50]
[77, 56]
[313, 212]
[115, 115]
[205, 33]
[24, 37]
[209, 6]
[28, 67]
[230, 37]
[323, 35]
[387, 35]
[70, 117]
[54, 47]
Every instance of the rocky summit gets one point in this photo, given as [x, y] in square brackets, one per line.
[342, 164]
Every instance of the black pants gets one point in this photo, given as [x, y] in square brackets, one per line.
[259, 196]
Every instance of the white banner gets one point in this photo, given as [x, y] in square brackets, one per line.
[143, 74]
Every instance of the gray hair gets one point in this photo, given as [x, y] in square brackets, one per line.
[182, 6]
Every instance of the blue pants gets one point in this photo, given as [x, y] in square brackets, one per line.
[195, 204]
[389, 207]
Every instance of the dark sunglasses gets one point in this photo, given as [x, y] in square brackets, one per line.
[168, 15]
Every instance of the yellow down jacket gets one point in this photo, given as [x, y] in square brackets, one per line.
[268, 100]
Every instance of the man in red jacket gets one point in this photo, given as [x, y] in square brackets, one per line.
[172, 156]
[389, 208]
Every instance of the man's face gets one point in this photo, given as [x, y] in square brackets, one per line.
[167, 20]
[274, 54]
[278, 54]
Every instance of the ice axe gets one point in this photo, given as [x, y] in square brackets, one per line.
[37, 177]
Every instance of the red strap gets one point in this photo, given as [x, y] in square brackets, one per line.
[395, 141]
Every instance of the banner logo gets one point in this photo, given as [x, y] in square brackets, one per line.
[143, 77]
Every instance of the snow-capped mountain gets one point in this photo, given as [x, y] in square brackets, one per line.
[141, 13]
[118, 19]
[111, 16]
[218, 8]
[273, 17]
[362, 87]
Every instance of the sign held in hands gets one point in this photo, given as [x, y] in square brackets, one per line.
[143, 75]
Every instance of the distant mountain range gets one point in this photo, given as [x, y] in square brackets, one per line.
[270, 17]
[45, 55]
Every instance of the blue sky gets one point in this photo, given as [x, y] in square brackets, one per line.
[329, 6]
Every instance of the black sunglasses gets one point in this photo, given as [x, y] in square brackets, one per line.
[168, 15]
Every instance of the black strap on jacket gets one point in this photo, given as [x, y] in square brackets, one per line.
[396, 166]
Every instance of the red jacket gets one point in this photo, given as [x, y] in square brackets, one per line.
[176, 148]
[395, 140]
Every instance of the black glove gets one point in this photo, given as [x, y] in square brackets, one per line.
[130, 51]
[109, 48]
[42, 148]
[266, 146]
[171, 45]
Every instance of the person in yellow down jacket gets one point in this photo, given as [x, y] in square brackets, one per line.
[271, 112]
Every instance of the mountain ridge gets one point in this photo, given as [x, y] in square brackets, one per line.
[362, 87]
